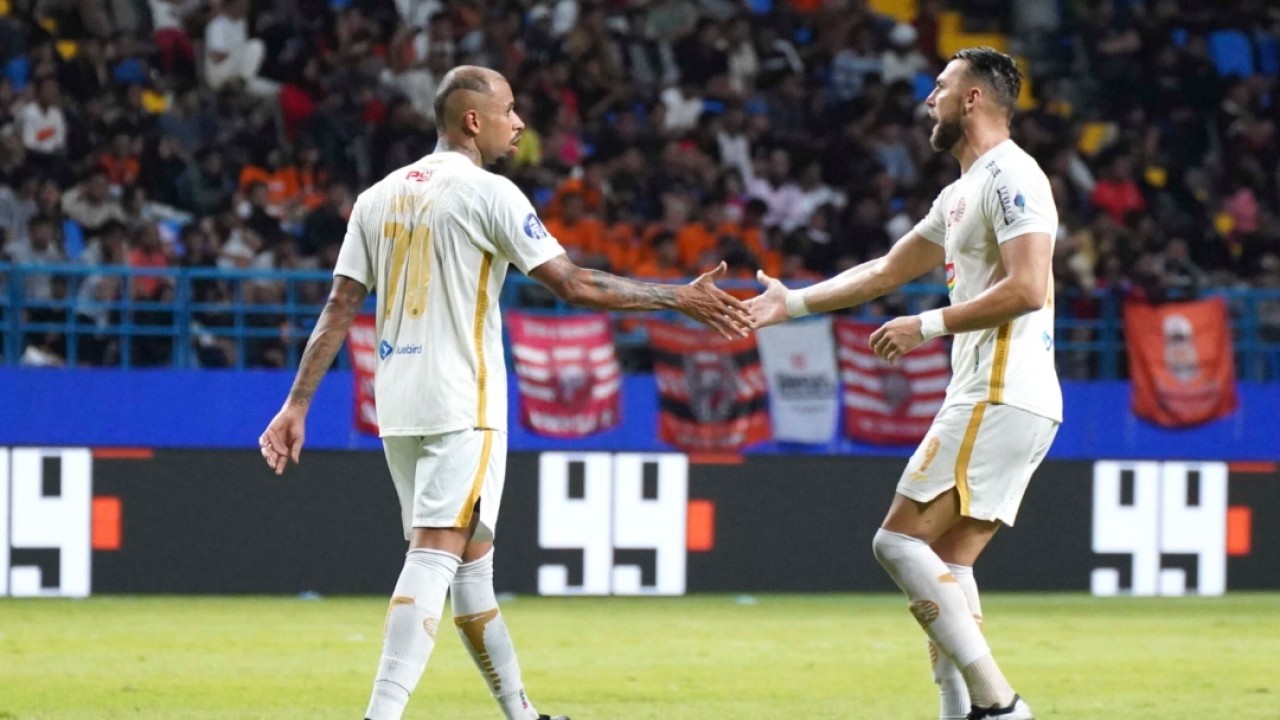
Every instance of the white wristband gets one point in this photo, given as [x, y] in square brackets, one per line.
[795, 304]
[932, 325]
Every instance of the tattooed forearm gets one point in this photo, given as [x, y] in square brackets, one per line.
[610, 292]
[340, 310]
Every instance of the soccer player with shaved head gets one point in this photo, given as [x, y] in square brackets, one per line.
[434, 240]
[994, 229]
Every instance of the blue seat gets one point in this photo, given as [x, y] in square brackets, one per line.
[923, 85]
[1232, 53]
[19, 72]
[1268, 53]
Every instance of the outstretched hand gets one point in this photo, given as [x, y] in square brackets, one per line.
[711, 306]
[896, 338]
[769, 307]
[282, 440]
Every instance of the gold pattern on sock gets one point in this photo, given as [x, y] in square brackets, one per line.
[947, 577]
[933, 654]
[472, 628]
[926, 611]
[431, 625]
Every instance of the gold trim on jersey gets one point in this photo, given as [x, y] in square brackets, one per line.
[482, 372]
[966, 452]
[999, 362]
[464, 515]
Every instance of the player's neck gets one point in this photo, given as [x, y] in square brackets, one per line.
[976, 142]
[444, 144]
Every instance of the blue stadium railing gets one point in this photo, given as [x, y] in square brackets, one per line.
[239, 321]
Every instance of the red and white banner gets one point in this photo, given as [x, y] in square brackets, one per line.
[362, 344]
[713, 392]
[1180, 359]
[889, 404]
[568, 374]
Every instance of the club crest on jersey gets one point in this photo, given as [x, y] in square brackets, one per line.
[533, 227]
[951, 277]
[956, 214]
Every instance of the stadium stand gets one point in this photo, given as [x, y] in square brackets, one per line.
[187, 166]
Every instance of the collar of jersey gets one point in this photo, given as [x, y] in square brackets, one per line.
[986, 157]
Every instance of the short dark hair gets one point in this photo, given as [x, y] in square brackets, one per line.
[459, 79]
[996, 70]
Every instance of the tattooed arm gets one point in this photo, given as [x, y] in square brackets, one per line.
[700, 299]
[283, 438]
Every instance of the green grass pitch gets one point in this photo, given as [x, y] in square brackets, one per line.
[697, 658]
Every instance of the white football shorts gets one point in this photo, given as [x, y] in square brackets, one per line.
[986, 452]
[439, 478]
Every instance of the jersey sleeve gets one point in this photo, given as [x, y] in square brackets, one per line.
[515, 229]
[1019, 202]
[355, 257]
[934, 225]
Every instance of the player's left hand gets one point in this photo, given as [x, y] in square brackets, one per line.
[282, 440]
[896, 338]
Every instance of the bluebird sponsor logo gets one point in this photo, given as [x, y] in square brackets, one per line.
[1020, 201]
[1048, 340]
[385, 349]
[533, 227]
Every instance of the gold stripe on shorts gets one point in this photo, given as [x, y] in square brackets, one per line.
[966, 452]
[464, 515]
[999, 362]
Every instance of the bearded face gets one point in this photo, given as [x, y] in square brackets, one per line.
[946, 133]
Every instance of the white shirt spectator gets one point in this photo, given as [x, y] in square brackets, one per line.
[735, 151]
[44, 130]
[682, 112]
[224, 34]
[782, 200]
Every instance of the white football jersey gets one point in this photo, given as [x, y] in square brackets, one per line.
[434, 240]
[1004, 194]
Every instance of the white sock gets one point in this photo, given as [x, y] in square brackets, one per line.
[410, 635]
[484, 633]
[940, 606]
[953, 692]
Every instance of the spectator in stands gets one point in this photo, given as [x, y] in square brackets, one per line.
[901, 61]
[231, 56]
[772, 183]
[581, 235]
[1117, 193]
[665, 262]
[148, 253]
[41, 248]
[204, 187]
[90, 203]
[18, 205]
[44, 126]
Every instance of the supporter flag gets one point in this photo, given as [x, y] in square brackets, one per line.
[568, 374]
[713, 394]
[889, 404]
[1181, 362]
[799, 361]
[362, 339]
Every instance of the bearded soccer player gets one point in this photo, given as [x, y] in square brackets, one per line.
[435, 240]
[994, 229]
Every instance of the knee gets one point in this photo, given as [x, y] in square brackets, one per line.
[476, 571]
[889, 547]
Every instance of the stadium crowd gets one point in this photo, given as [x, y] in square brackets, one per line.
[663, 136]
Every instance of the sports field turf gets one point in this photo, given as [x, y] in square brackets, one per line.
[704, 658]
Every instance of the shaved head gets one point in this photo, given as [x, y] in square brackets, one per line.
[457, 91]
[476, 113]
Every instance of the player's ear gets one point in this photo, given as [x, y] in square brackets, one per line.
[471, 122]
